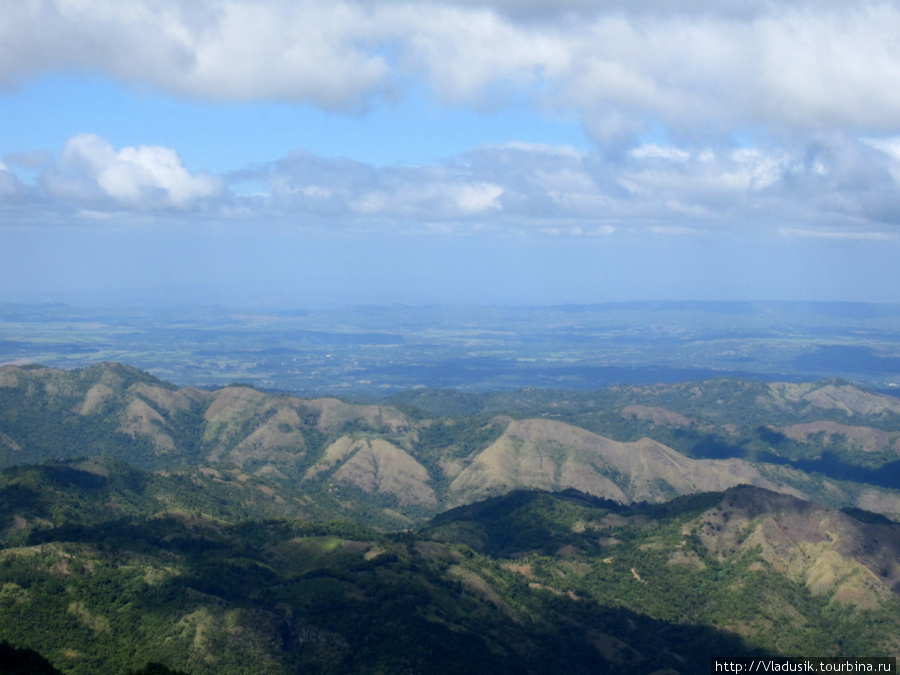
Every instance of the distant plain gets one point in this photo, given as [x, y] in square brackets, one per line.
[370, 351]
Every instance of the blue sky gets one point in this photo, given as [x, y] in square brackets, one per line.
[526, 152]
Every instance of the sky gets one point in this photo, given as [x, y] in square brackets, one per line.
[312, 152]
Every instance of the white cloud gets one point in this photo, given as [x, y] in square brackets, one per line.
[664, 189]
[17, 197]
[11, 187]
[411, 198]
[889, 146]
[478, 197]
[696, 67]
[673, 231]
[36, 159]
[832, 183]
[91, 170]
[837, 234]
[652, 150]
[216, 49]
[564, 151]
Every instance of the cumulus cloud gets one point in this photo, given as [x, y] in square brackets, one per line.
[830, 182]
[91, 173]
[343, 189]
[11, 188]
[695, 66]
[220, 50]
[36, 159]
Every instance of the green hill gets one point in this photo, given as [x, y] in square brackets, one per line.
[530, 582]
[146, 527]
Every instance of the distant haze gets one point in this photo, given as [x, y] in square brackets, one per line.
[278, 268]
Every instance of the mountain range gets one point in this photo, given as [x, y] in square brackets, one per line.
[632, 529]
[413, 456]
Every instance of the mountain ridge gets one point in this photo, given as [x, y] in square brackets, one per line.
[211, 529]
[405, 464]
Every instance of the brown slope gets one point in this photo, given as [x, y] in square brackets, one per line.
[551, 455]
[864, 438]
[94, 399]
[831, 553]
[376, 466]
[245, 425]
[148, 408]
[835, 396]
[235, 424]
[333, 414]
[143, 407]
[278, 440]
[172, 401]
[140, 419]
[137, 402]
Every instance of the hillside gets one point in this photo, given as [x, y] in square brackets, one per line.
[744, 561]
[232, 530]
[393, 465]
[530, 582]
[555, 456]
[830, 427]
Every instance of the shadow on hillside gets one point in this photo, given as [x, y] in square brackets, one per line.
[710, 446]
[830, 465]
[23, 661]
[401, 611]
[57, 492]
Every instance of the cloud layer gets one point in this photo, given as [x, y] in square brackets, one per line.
[833, 185]
[694, 66]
